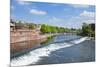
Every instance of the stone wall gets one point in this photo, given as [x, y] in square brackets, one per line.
[23, 35]
[23, 40]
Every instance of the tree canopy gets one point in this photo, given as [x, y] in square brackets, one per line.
[88, 30]
[52, 29]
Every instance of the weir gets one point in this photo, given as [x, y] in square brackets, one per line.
[35, 55]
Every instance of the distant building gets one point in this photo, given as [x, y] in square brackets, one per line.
[16, 25]
[38, 27]
[12, 26]
[19, 26]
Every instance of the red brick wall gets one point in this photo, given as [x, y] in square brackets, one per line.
[16, 36]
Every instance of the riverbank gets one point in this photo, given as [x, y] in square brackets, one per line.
[62, 46]
[26, 39]
[27, 35]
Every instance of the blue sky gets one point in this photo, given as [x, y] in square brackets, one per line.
[63, 15]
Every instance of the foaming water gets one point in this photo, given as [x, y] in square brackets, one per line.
[79, 40]
[35, 55]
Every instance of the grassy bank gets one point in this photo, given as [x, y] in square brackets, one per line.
[49, 39]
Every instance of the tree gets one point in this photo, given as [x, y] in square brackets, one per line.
[31, 26]
[52, 29]
[43, 28]
[87, 30]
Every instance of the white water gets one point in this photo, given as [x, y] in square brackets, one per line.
[35, 55]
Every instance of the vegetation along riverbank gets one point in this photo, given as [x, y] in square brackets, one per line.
[26, 35]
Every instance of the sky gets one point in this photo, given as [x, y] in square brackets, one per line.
[56, 14]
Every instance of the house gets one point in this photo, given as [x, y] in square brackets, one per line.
[16, 25]
[12, 26]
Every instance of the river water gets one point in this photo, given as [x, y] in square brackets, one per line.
[63, 48]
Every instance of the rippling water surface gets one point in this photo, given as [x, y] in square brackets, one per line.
[62, 49]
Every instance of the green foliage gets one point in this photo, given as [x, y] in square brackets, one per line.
[87, 30]
[31, 26]
[49, 39]
[52, 29]
[78, 32]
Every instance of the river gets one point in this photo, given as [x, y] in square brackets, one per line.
[63, 48]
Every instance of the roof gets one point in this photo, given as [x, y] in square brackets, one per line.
[12, 24]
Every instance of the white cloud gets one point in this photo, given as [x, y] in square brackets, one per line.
[87, 14]
[79, 6]
[53, 20]
[77, 21]
[38, 12]
[23, 2]
[89, 21]
[56, 19]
